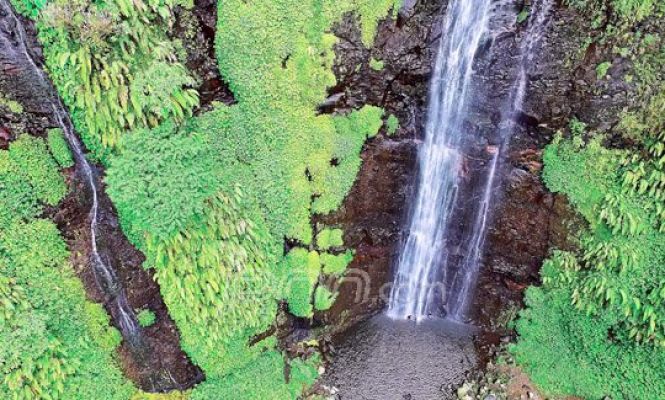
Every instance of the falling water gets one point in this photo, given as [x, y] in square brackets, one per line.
[465, 24]
[15, 40]
[423, 269]
[460, 289]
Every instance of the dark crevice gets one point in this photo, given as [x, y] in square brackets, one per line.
[196, 28]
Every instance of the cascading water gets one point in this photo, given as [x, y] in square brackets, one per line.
[424, 270]
[460, 289]
[13, 39]
[465, 24]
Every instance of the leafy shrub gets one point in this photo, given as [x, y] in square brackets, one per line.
[53, 343]
[59, 148]
[28, 177]
[146, 317]
[567, 352]
[161, 181]
[114, 66]
[376, 65]
[261, 380]
[216, 278]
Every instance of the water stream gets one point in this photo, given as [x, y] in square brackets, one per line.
[14, 43]
[463, 282]
[426, 278]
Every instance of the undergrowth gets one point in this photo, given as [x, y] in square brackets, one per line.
[54, 344]
[596, 327]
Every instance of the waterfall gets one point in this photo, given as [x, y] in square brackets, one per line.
[14, 37]
[424, 270]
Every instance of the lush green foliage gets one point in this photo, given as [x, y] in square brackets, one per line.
[217, 279]
[28, 178]
[54, 344]
[622, 11]
[566, 352]
[161, 181]
[602, 308]
[328, 238]
[217, 251]
[59, 148]
[261, 380]
[114, 66]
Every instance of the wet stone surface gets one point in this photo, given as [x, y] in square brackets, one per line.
[385, 359]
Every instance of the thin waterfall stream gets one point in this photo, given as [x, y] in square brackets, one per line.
[14, 44]
[103, 272]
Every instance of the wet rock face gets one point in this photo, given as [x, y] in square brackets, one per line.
[526, 219]
[376, 209]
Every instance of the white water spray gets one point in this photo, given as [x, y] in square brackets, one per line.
[465, 24]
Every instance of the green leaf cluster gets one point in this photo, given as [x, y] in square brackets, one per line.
[115, 67]
[146, 317]
[59, 148]
[567, 352]
[28, 179]
[54, 344]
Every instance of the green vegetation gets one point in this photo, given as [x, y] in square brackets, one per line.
[59, 148]
[523, 15]
[11, 105]
[392, 124]
[146, 317]
[602, 69]
[217, 250]
[28, 179]
[328, 238]
[114, 65]
[376, 65]
[601, 309]
[54, 344]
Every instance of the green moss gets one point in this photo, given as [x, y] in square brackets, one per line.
[392, 124]
[146, 317]
[335, 265]
[602, 69]
[523, 15]
[303, 268]
[59, 148]
[376, 65]
[328, 238]
[11, 105]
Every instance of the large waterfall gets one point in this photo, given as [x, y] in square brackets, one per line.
[425, 277]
